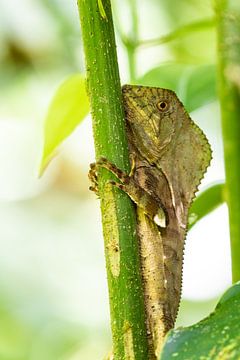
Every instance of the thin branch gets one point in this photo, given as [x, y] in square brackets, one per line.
[179, 33]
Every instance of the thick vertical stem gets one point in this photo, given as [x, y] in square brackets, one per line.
[118, 216]
[228, 25]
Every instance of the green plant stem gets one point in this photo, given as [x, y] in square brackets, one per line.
[133, 9]
[131, 53]
[131, 43]
[228, 26]
[118, 215]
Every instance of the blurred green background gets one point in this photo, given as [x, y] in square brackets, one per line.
[53, 289]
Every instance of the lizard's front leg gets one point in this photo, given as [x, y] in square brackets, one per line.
[93, 177]
[151, 206]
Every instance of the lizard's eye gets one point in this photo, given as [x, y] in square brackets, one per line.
[163, 105]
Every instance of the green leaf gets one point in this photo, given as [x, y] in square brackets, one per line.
[195, 85]
[205, 202]
[216, 337]
[201, 87]
[231, 293]
[68, 108]
[166, 76]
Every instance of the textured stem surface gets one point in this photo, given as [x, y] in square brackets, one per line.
[118, 215]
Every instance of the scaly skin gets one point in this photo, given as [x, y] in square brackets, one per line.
[171, 155]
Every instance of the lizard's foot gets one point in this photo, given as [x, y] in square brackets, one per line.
[150, 205]
[93, 177]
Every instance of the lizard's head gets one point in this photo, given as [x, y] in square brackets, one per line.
[154, 116]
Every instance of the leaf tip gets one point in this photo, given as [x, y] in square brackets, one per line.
[45, 161]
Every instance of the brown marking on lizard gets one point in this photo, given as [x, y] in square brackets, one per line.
[171, 155]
